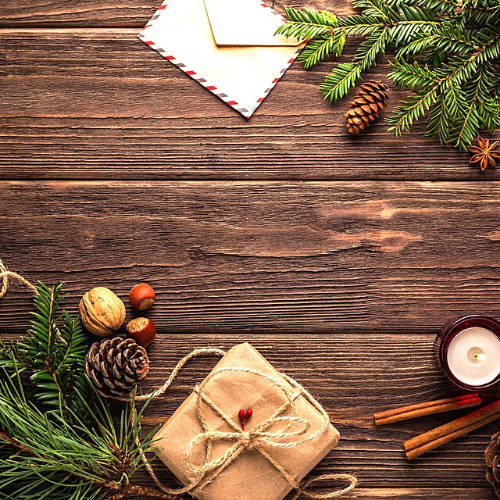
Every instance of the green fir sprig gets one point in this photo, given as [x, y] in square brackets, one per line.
[46, 457]
[54, 350]
[445, 51]
[58, 437]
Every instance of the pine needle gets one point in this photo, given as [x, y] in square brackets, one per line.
[73, 451]
[445, 51]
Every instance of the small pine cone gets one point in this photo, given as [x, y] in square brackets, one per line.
[492, 456]
[366, 106]
[116, 366]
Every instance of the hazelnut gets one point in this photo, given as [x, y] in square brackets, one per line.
[142, 330]
[142, 297]
[102, 312]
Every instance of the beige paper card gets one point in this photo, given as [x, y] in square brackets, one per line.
[245, 22]
[242, 76]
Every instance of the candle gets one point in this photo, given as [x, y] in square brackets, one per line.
[469, 352]
[474, 356]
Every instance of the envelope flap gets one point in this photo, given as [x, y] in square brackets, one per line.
[241, 76]
[245, 22]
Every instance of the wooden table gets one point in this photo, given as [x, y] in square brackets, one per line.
[338, 258]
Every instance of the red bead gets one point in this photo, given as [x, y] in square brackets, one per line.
[242, 415]
[248, 413]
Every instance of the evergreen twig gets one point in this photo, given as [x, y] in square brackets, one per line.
[446, 52]
[74, 451]
[49, 457]
[54, 351]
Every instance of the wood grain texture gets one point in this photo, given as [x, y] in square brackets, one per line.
[340, 284]
[414, 494]
[111, 13]
[352, 376]
[263, 256]
[99, 104]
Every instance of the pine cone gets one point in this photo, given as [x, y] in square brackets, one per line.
[116, 366]
[492, 456]
[366, 106]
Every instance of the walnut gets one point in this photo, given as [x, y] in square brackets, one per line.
[102, 312]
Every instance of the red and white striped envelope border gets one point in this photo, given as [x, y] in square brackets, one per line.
[241, 76]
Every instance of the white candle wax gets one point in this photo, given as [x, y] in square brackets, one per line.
[474, 356]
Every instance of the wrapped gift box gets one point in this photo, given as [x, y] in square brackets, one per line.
[274, 452]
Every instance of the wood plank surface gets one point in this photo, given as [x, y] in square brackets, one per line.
[100, 104]
[423, 493]
[263, 256]
[396, 369]
[352, 376]
[108, 13]
[412, 493]
[338, 258]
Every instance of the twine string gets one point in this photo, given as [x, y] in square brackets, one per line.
[259, 438]
[5, 274]
[304, 488]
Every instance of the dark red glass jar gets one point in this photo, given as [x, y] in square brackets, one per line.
[449, 332]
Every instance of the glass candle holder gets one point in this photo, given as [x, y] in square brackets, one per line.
[468, 351]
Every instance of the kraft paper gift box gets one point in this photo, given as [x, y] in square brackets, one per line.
[228, 46]
[244, 379]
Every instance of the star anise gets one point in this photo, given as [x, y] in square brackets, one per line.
[484, 152]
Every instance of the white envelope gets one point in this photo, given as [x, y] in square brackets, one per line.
[228, 46]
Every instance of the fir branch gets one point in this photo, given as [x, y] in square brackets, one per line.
[441, 40]
[411, 110]
[309, 16]
[445, 51]
[370, 48]
[444, 7]
[307, 24]
[42, 457]
[54, 351]
[473, 120]
[445, 113]
[12, 442]
[376, 8]
[74, 451]
[338, 83]
[321, 48]
[455, 72]
[412, 75]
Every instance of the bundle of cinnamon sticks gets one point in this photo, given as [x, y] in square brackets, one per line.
[434, 438]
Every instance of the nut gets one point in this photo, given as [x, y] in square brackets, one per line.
[102, 312]
[142, 297]
[142, 330]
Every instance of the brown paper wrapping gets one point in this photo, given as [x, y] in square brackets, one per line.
[250, 476]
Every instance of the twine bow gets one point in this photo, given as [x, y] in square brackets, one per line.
[259, 438]
[293, 431]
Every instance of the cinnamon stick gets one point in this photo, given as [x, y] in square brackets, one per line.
[434, 438]
[426, 408]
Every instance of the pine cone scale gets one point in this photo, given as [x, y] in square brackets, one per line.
[492, 458]
[366, 106]
[96, 381]
[116, 366]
